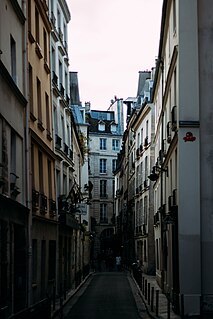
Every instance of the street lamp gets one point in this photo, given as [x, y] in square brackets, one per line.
[155, 172]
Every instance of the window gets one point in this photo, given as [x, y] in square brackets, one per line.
[45, 44]
[29, 15]
[49, 167]
[58, 182]
[140, 215]
[31, 88]
[145, 210]
[64, 184]
[66, 83]
[103, 188]
[113, 188]
[175, 87]
[114, 163]
[39, 101]
[115, 145]
[174, 16]
[103, 144]
[47, 113]
[65, 33]
[37, 25]
[60, 72]
[53, 59]
[142, 136]
[32, 165]
[55, 119]
[146, 168]
[113, 127]
[103, 166]
[13, 152]
[68, 135]
[145, 253]
[101, 126]
[103, 213]
[138, 140]
[40, 171]
[63, 128]
[58, 19]
[147, 128]
[13, 58]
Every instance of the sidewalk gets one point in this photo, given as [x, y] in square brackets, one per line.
[164, 311]
[59, 304]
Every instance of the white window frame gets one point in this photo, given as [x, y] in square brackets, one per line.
[103, 166]
[103, 144]
[115, 144]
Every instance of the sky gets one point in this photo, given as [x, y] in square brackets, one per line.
[109, 42]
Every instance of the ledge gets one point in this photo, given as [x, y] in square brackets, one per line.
[18, 11]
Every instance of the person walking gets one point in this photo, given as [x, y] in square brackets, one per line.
[118, 263]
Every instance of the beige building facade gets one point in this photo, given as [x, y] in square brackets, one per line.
[42, 179]
[14, 201]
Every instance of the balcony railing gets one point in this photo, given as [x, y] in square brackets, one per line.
[35, 199]
[43, 203]
[52, 207]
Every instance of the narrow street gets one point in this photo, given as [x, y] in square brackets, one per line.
[106, 295]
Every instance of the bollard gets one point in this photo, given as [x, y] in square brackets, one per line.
[182, 306]
[65, 289]
[152, 299]
[145, 288]
[61, 307]
[54, 295]
[61, 301]
[143, 283]
[157, 302]
[168, 306]
[149, 293]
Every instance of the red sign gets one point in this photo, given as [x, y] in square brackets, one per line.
[189, 137]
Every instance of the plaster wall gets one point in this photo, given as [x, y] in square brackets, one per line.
[206, 147]
[189, 158]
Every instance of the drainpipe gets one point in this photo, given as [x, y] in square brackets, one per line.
[161, 176]
[27, 159]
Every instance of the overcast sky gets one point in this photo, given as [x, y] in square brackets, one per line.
[110, 41]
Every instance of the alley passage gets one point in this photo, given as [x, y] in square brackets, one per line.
[109, 295]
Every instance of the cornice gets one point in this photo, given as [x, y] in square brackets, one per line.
[65, 10]
[18, 11]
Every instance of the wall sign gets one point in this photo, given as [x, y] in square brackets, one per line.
[189, 137]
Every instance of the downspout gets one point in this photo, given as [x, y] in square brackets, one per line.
[161, 175]
[27, 160]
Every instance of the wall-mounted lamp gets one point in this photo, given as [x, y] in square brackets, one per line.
[155, 173]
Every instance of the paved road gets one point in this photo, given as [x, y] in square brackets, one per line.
[107, 295]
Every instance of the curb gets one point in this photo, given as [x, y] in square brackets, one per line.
[72, 293]
[143, 299]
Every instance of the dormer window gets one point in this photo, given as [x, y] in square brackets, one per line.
[113, 127]
[101, 126]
